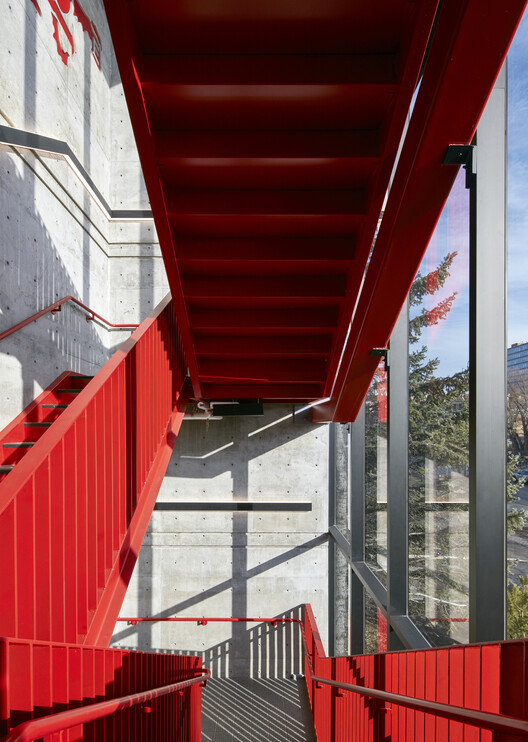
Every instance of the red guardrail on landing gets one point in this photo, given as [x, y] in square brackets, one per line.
[434, 683]
[56, 307]
[49, 687]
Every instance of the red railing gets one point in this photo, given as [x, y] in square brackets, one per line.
[47, 688]
[56, 307]
[74, 511]
[455, 693]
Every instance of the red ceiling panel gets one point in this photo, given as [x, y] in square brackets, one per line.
[268, 132]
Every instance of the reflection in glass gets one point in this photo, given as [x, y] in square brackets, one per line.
[438, 429]
[517, 389]
[375, 627]
[376, 474]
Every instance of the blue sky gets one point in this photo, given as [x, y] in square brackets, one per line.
[449, 341]
[518, 186]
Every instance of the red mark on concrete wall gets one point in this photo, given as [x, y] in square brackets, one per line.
[62, 34]
[89, 28]
[59, 20]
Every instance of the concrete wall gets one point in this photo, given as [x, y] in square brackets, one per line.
[213, 563]
[54, 238]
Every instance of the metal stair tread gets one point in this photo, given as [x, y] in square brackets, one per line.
[19, 444]
[37, 425]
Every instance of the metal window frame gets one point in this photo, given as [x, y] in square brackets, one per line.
[487, 377]
[487, 435]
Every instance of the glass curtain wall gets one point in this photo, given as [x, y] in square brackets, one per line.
[517, 353]
[376, 475]
[439, 429]
[451, 512]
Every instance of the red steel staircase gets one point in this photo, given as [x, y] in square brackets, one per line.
[29, 426]
[75, 506]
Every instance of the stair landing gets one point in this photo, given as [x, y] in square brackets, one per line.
[256, 710]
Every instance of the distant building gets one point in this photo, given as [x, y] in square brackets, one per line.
[518, 356]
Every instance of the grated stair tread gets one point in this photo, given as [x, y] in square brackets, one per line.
[256, 710]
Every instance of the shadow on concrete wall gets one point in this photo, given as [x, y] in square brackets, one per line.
[205, 451]
[34, 276]
[34, 273]
[144, 630]
[273, 651]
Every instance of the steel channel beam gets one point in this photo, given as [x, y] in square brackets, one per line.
[487, 431]
[398, 452]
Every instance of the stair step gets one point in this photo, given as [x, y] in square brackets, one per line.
[68, 391]
[6, 468]
[37, 425]
[54, 406]
[20, 444]
[82, 376]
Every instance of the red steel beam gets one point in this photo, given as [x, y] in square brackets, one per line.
[283, 370]
[342, 201]
[468, 50]
[276, 392]
[259, 319]
[268, 144]
[272, 69]
[230, 250]
[207, 286]
[282, 346]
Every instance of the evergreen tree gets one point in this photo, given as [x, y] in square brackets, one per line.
[438, 457]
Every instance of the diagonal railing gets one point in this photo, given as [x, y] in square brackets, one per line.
[29, 731]
[56, 307]
[74, 511]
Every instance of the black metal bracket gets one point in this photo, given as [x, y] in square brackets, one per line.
[238, 408]
[465, 155]
[382, 353]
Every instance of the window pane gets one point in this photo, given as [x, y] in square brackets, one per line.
[375, 627]
[376, 474]
[438, 429]
[517, 421]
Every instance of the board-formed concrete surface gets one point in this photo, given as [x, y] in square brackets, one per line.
[211, 563]
[256, 710]
[55, 240]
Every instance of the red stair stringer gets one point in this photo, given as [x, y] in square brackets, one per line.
[104, 620]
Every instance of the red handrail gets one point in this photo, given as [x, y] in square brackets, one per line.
[56, 307]
[205, 621]
[38, 728]
[485, 720]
